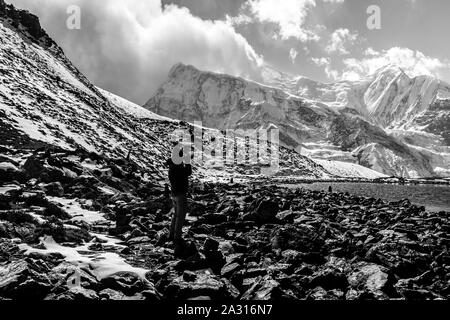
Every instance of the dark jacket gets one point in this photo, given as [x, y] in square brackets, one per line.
[179, 177]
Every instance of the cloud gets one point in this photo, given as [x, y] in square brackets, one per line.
[414, 63]
[288, 15]
[339, 41]
[129, 46]
[326, 64]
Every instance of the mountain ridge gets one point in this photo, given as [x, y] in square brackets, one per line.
[387, 106]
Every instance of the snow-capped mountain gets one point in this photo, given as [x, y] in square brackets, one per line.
[388, 121]
[46, 101]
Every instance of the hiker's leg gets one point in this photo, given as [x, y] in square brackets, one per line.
[174, 218]
[181, 217]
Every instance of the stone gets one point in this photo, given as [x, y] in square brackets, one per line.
[75, 294]
[228, 269]
[213, 218]
[127, 282]
[205, 284]
[265, 211]
[8, 249]
[296, 237]
[286, 216]
[369, 277]
[25, 280]
[262, 290]
[54, 189]
[329, 279]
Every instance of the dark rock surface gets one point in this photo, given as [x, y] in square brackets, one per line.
[277, 243]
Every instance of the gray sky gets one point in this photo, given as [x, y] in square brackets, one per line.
[128, 46]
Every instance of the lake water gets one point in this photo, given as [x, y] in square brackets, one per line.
[433, 197]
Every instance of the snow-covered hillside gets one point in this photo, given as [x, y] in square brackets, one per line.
[366, 122]
[46, 101]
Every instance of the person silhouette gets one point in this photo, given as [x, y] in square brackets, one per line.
[179, 180]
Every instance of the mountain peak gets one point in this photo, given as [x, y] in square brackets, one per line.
[390, 69]
[180, 67]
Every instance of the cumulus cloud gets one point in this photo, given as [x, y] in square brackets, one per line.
[340, 40]
[414, 63]
[325, 63]
[129, 46]
[288, 15]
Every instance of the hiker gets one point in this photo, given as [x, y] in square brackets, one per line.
[179, 180]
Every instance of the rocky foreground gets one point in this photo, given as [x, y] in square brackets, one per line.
[77, 226]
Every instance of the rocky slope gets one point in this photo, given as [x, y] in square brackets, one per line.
[98, 236]
[388, 122]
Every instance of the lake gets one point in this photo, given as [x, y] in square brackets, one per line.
[434, 197]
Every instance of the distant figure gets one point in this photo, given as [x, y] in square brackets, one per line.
[179, 180]
[330, 189]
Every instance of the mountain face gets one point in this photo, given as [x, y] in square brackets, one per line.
[46, 102]
[388, 122]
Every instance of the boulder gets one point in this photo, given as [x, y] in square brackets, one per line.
[265, 211]
[213, 218]
[8, 171]
[229, 269]
[75, 294]
[205, 284]
[300, 238]
[329, 278]
[127, 282]
[8, 249]
[54, 189]
[370, 277]
[25, 279]
[263, 289]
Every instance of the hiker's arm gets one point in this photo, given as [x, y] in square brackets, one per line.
[188, 170]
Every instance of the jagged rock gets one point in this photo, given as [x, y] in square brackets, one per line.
[110, 294]
[329, 279]
[54, 189]
[66, 233]
[213, 256]
[286, 216]
[369, 277]
[229, 269]
[25, 280]
[265, 211]
[8, 171]
[128, 283]
[297, 237]
[8, 249]
[205, 284]
[75, 294]
[54, 210]
[263, 289]
[232, 291]
[213, 218]
[185, 250]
